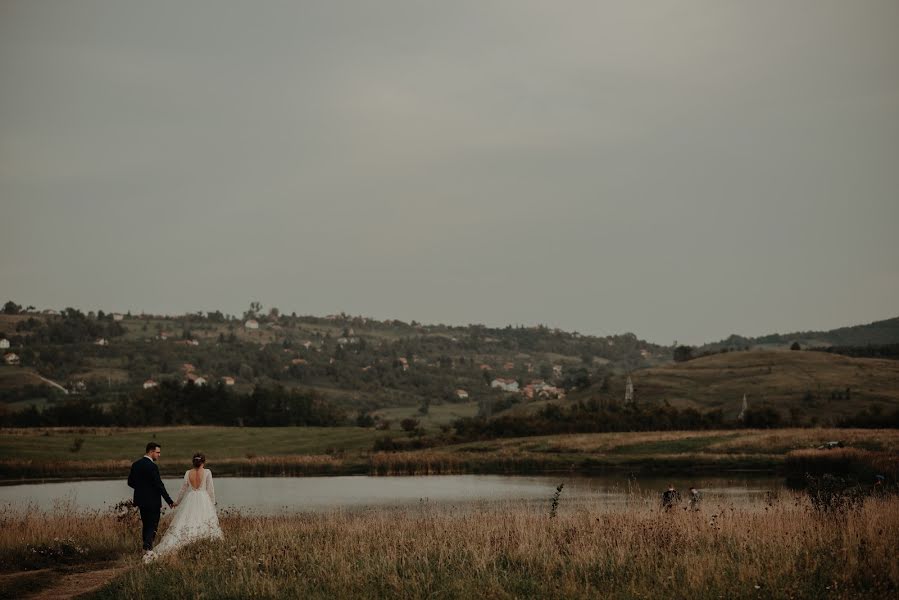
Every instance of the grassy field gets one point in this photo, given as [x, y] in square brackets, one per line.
[16, 377]
[43, 453]
[49, 453]
[438, 414]
[178, 443]
[783, 379]
[778, 547]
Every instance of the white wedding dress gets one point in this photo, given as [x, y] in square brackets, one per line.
[195, 516]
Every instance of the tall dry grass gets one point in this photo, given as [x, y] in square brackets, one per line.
[34, 539]
[779, 549]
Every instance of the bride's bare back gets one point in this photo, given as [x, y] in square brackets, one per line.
[195, 476]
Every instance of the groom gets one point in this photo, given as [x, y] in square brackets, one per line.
[148, 487]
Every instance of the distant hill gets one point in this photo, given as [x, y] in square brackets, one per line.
[358, 363]
[876, 333]
[819, 385]
[365, 365]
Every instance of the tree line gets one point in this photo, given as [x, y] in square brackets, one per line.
[174, 404]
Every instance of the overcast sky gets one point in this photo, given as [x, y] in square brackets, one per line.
[680, 169]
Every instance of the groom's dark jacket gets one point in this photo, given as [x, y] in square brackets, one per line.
[144, 478]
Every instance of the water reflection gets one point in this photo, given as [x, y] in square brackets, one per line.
[274, 495]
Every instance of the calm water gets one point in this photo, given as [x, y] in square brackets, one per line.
[271, 495]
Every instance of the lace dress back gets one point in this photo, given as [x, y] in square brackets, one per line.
[195, 516]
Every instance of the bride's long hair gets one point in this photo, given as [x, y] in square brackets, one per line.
[199, 459]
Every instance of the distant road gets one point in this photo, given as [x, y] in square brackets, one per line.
[53, 383]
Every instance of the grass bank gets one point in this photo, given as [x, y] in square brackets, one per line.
[298, 451]
[781, 548]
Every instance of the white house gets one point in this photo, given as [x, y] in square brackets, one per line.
[506, 385]
[117, 316]
[251, 324]
[461, 394]
[102, 342]
[11, 359]
[4, 343]
[196, 379]
[148, 384]
[228, 380]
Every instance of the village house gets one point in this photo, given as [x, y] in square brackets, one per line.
[149, 384]
[540, 389]
[102, 342]
[50, 312]
[506, 385]
[343, 341]
[307, 344]
[251, 324]
[486, 367]
[404, 363]
[461, 394]
[298, 361]
[79, 387]
[188, 368]
[508, 366]
[4, 343]
[117, 316]
[228, 380]
[11, 359]
[557, 370]
[196, 379]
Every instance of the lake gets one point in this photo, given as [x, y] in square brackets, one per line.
[278, 495]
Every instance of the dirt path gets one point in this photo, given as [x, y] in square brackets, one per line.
[74, 584]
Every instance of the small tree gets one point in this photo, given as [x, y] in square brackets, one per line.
[11, 308]
[795, 346]
[409, 424]
[683, 354]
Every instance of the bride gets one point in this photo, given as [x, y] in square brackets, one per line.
[195, 516]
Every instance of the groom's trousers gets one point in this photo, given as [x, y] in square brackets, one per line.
[149, 517]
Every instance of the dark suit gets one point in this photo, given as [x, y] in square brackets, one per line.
[148, 491]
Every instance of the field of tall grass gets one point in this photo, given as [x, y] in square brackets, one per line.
[775, 548]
